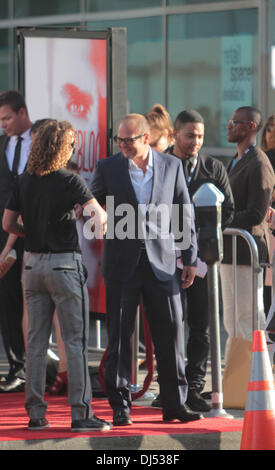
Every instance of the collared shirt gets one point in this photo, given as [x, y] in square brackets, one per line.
[24, 153]
[193, 160]
[237, 159]
[142, 182]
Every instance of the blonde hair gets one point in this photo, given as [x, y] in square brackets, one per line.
[270, 122]
[51, 148]
[159, 119]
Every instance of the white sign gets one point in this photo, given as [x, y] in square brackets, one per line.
[236, 77]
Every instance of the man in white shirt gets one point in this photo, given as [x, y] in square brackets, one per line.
[137, 267]
[14, 150]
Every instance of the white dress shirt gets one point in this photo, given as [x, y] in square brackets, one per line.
[142, 182]
[24, 153]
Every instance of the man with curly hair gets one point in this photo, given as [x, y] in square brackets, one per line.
[54, 275]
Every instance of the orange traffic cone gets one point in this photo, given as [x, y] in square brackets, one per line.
[259, 417]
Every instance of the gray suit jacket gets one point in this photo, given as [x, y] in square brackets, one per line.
[121, 256]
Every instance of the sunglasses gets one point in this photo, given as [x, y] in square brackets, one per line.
[234, 122]
[127, 140]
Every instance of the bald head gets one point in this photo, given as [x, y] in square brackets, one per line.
[137, 122]
[133, 137]
[253, 115]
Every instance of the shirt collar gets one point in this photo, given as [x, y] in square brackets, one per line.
[25, 136]
[149, 164]
[193, 159]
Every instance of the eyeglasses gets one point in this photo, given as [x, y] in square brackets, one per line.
[127, 140]
[234, 122]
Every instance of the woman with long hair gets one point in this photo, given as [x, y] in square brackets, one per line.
[161, 128]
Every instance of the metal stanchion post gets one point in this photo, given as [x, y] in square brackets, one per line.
[208, 200]
[98, 334]
[215, 344]
[135, 350]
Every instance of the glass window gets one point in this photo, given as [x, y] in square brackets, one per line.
[144, 61]
[109, 5]
[191, 2]
[4, 10]
[4, 60]
[212, 66]
[24, 8]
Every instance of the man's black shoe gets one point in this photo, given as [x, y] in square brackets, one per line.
[13, 385]
[183, 414]
[121, 418]
[38, 424]
[196, 402]
[156, 403]
[90, 424]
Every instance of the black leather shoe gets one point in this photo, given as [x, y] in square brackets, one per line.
[13, 385]
[38, 424]
[90, 424]
[196, 402]
[156, 403]
[121, 418]
[183, 414]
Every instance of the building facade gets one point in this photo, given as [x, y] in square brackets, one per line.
[213, 56]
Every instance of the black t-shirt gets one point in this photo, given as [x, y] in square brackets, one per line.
[46, 205]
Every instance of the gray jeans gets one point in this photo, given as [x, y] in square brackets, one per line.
[57, 281]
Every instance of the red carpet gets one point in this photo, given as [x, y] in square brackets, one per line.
[147, 421]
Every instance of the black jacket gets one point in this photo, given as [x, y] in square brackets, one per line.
[211, 170]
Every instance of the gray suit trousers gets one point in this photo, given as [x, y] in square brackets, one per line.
[57, 281]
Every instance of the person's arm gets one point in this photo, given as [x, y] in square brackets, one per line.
[260, 184]
[187, 242]
[12, 224]
[7, 248]
[222, 183]
[98, 217]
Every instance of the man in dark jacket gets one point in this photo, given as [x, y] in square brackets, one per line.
[198, 169]
[251, 178]
[14, 151]
[137, 266]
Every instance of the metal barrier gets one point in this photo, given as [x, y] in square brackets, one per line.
[256, 269]
[213, 302]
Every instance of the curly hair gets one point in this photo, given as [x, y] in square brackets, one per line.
[51, 148]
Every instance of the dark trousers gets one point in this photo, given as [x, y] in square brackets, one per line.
[196, 314]
[11, 312]
[163, 309]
